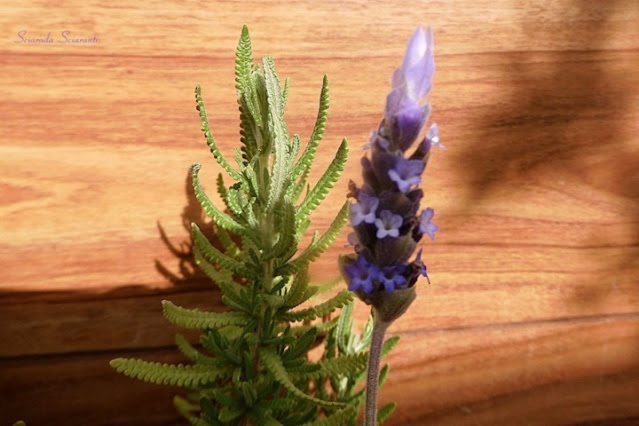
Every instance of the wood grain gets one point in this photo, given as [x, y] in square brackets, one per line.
[532, 315]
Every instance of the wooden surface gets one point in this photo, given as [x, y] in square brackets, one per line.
[532, 316]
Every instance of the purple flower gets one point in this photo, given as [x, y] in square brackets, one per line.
[407, 123]
[361, 275]
[415, 76]
[364, 209]
[425, 224]
[391, 277]
[421, 267]
[406, 173]
[388, 224]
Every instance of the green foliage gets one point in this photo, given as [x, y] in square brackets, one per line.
[188, 376]
[251, 364]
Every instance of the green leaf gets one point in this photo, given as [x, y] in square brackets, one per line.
[215, 256]
[243, 61]
[337, 301]
[228, 414]
[383, 373]
[385, 412]
[189, 376]
[198, 319]
[191, 353]
[306, 160]
[279, 174]
[232, 291]
[285, 93]
[318, 247]
[322, 327]
[345, 364]
[301, 346]
[344, 327]
[286, 244]
[221, 188]
[221, 219]
[209, 136]
[297, 290]
[343, 417]
[389, 344]
[273, 364]
[326, 182]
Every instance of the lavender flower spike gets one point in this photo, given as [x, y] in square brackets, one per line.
[385, 215]
[380, 273]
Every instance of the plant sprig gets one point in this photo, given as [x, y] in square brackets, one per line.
[251, 365]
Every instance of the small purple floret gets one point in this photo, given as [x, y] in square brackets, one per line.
[425, 224]
[388, 224]
[361, 274]
[406, 173]
[364, 210]
[391, 277]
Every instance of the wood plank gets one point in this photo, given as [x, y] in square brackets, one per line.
[544, 373]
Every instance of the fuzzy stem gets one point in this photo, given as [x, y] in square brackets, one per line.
[372, 377]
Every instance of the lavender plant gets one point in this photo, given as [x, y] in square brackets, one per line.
[251, 365]
[385, 216]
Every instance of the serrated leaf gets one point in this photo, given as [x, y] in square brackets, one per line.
[287, 237]
[301, 345]
[285, 93]
[344, 327]
[325, 308]
[189, 376]
[243, 60]
[209, 136]
[279, 174]
[215, 256]
[319, 246]
[322, 327]
[305, 161]
[193, 354]
[273, 364]
[200, 320]
[345, 364]
[221, 219]
[326, 182]
[297, 290]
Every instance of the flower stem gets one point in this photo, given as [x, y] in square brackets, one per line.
[372, 377]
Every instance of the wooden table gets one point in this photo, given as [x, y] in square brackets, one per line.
[532, 315]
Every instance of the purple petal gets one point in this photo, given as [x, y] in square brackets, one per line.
[406, 173]
[407, 124]
[415, 75]
[388, 224]
[361, 274]
[391, 277]
[364, 209]
[425, 224]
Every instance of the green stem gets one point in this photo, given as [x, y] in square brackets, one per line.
[372, 377]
